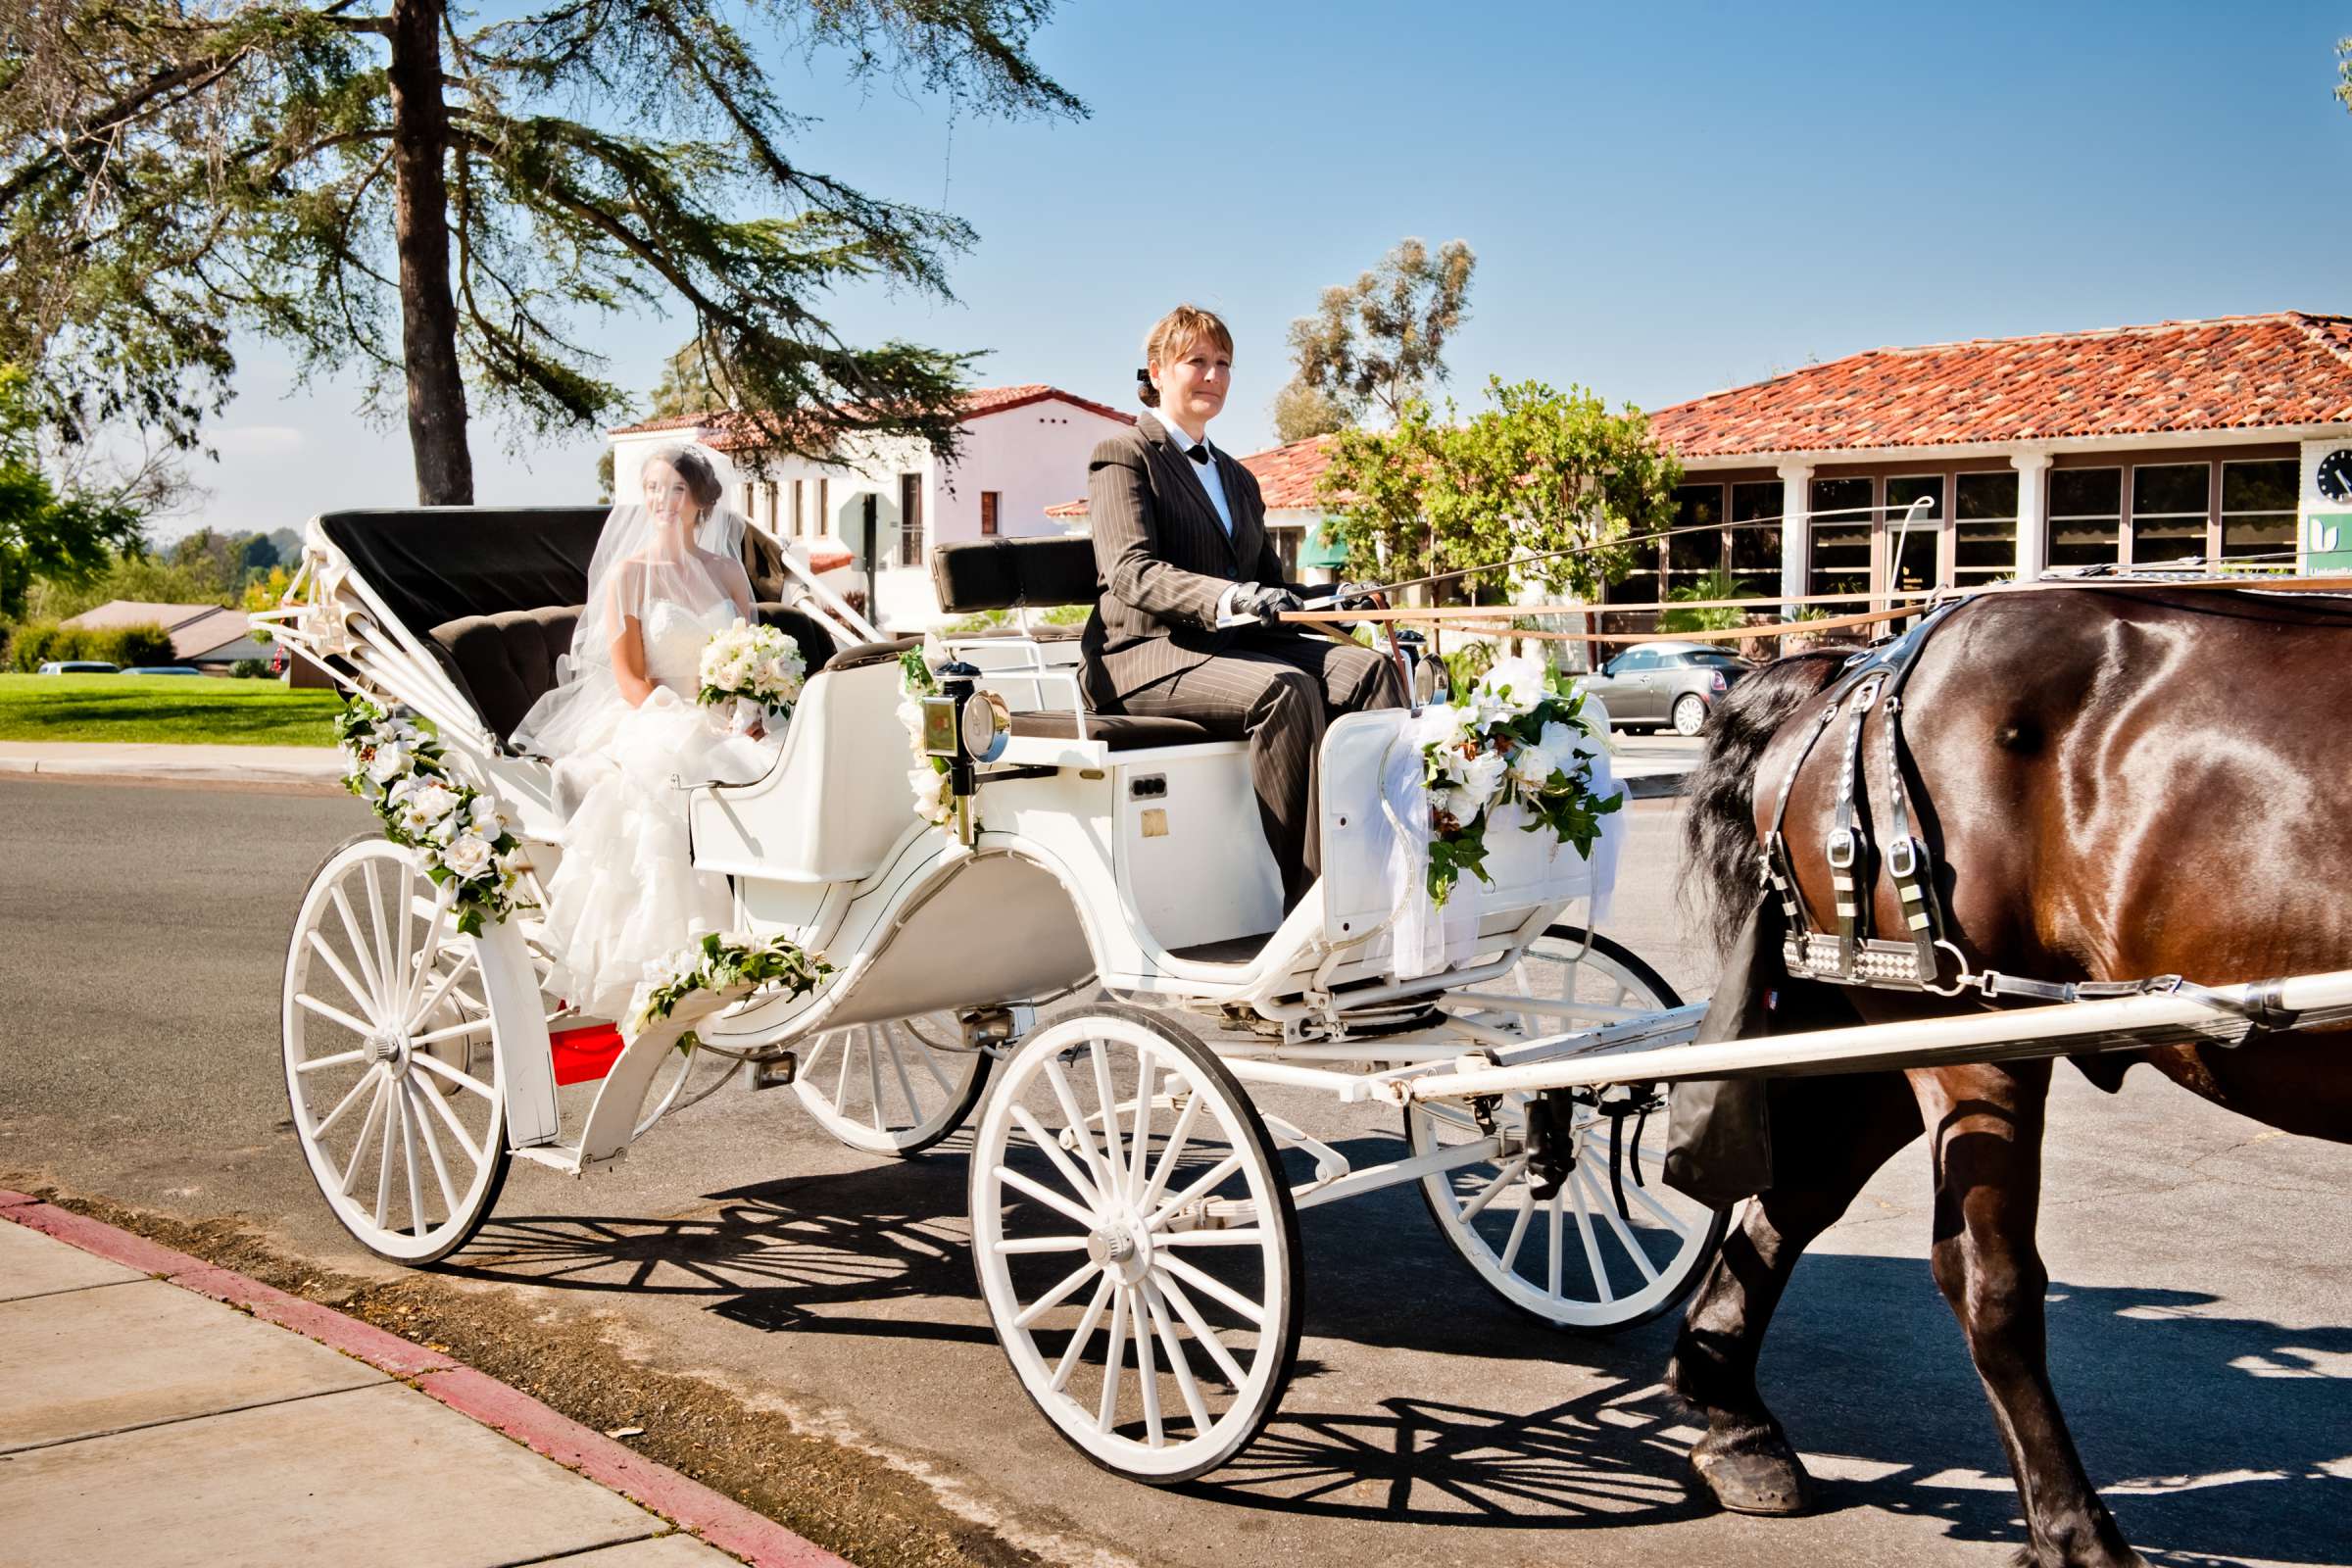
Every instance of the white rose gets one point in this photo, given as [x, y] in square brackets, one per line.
[469, 856]
[910, 715]
[443, 831]
[434, 801]
[483, 813]
[1564, 741]
[930, 792]
[1531, 766]
[1481, 776]
[1517, 684]
[1453, 803]
[389, 763]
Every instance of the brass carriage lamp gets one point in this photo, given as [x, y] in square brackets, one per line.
[967, 726]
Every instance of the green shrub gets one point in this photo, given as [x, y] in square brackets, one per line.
[249, 669]
[1716, 584]
[127, 646]
[37, 642]
[31, 645]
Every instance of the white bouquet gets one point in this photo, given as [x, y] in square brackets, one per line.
[754, 674]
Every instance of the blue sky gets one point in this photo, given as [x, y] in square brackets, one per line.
[1665, 198]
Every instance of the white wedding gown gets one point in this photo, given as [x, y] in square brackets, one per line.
[623, 894]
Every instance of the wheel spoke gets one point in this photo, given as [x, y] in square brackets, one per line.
[1584, 1229]
[1058, 1293]
[1078, 1125]
[1086, 1331]
[1248, 1235]
[1202, 1334]
[1551, 1276]
[359, 1151]
[1051, 1148]
[427, 955]
[929, 1057]
[1616, 1222]
[841, 1079]
[873, 1075]
[359, 944]
[1179, 1365]
[338, 1059]
[442, 1070]
[1046, 1196]
[1252, 1313]
[1175, 1150]
[1509, 1173]
[351, 987]
[1146, 1371]
[345, 1103]
[457, 1129]
[303, 999]
[898, 1065]
[1139, 1146]
[1021, 1244]
[403, 980]
[383, 1166]
[407, 1156]
[453, 1031]
[1114, 1362]
[432, 1149]
[1665, 1216]
[1215, 1174]
[1113, 1157]
[1510, 1248]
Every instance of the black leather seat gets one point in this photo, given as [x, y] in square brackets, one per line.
[505, 662]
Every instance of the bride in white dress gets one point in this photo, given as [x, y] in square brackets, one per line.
[626, 737]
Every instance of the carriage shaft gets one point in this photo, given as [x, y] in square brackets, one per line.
[2130, 1023]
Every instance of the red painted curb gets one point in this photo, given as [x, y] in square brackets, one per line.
[718, 1520]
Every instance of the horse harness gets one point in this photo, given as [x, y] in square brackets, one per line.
[1911, 959]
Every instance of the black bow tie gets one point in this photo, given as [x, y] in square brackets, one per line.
[1198, 452]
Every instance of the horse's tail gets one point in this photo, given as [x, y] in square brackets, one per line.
[1719, 882]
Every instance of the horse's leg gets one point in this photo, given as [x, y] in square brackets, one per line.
[1828, 1136]
[1984, 1133]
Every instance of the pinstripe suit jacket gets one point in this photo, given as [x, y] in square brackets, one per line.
[1163, 560]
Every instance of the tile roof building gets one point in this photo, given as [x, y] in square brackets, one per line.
[2125, 445]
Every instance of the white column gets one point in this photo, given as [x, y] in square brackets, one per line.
[1795, 536]
[2033, 517]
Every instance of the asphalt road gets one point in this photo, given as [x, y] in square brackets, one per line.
[2201, 1315]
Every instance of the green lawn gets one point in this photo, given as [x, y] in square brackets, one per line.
[188, 710]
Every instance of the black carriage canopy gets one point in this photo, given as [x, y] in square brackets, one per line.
[494, 592]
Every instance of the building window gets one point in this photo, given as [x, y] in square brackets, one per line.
[772, 490]
[1916, 570]
[2086, 516]
[2259, 504]
[1756, 536]
[2169, 503]
[800, 520]
[1691, 556]
[988, 514]
[824, 506]
[749, 492]
[1841, 536]
[911, 520]
[1985, 525]
[1286, 545]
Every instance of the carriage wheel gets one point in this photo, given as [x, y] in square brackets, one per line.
[390, 1056]
[892, 1088]
[1122, 1181]
[1577, 1260]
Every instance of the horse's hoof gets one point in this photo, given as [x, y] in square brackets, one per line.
[1755, 1472]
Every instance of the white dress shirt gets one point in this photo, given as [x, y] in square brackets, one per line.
[1205, 475]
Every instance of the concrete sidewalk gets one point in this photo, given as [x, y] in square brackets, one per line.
[195, 764]
[144, 1417]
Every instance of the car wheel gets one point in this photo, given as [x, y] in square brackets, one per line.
[1689, 713]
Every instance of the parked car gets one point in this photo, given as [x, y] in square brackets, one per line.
[77, 666]
[163, 670]
[1676, 685]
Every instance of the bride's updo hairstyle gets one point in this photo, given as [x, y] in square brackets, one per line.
[693, 466]
[1175, 335]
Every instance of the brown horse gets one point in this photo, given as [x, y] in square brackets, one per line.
[2115, 783]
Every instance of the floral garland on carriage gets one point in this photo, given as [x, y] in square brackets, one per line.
[1510, 738]
[396, 764]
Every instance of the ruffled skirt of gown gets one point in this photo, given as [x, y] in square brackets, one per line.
[623, 894]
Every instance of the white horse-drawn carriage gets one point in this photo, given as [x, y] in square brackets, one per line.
[1092, 957]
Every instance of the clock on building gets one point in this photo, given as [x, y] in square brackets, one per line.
[2335, 475]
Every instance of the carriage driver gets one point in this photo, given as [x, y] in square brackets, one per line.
[1180, 546]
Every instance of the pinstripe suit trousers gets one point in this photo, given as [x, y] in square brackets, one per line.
[1278, 691]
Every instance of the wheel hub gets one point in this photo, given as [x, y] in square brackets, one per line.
[1123, 1249]
[391, 1051]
